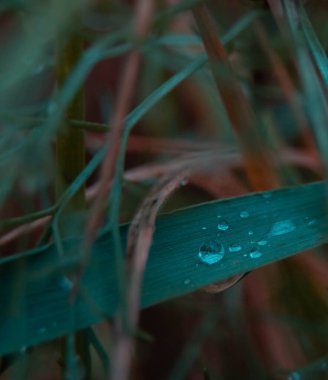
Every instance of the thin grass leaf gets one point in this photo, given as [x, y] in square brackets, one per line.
[316, 48]
[280, 223]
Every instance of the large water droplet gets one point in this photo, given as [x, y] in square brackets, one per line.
[262, 242]
[282, 227]
[211, 252]
[223, 225]
[234, 248]
[244, 214]
[255, 253]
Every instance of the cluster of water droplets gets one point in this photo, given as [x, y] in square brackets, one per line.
[212, 251]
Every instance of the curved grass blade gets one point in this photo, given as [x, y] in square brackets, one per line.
[268, 227]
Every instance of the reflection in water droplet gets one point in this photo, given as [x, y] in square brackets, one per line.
[211, 252]
[312, 222]
[262, 242]
[223, 226]
[244, 214]
[282, 227]
[234, 248]
[255, 254]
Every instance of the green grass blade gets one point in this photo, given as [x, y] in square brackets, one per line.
[34, 295]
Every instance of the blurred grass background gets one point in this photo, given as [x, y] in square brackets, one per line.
[258, 107]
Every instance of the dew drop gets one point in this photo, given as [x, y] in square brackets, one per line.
[294, 376]
[223, 225]
[282, 227]
[65, 283]
[244, 214]
[186, 282]
[312, 222]
[234, 248]
[254, 253]
[211, 252]
[250, 232]
[204, 228]
[262, 242]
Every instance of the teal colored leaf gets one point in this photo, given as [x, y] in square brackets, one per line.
[267, 226]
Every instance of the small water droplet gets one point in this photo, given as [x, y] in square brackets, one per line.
[244, 214]
[211, 252]
[312, 222]
[234, 248]
[52, 107]
[183, 182]
[186, 282]
[282, 227]
[262, 242]
[42, 330]
[255, 254]
[204, 228]
[65, 283]
[223, 226]
[266, 195]
[294, 376]
[250, 232]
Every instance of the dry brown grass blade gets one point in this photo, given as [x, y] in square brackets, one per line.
[259, 167]
[129, 76]
[139, 241]
[288, 89]
[277, 345]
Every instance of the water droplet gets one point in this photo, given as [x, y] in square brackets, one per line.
[204, 228]
[312, 222]
[244, 214]
[262, 242]
[250, 232]
[223, 226]
[234, 248]
[282, 227]
[23, 349]
[42, 330]
[183, 182]
[65, 283]
[294, 376]
[254, 253]
[211, 252]
[186, 282]
[266, 195]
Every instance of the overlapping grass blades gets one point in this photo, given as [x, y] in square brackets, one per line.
[41, 311]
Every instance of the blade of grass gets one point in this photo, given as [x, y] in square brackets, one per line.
[173, 260]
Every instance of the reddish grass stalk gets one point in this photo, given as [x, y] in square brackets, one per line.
[276, 343]
[259, 168]
[288, 89]
[138, 245]
[143, 17]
